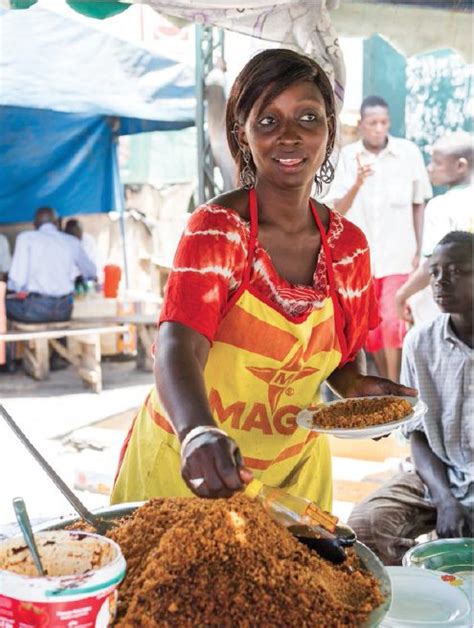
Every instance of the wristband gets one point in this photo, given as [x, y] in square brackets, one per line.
[197, 431]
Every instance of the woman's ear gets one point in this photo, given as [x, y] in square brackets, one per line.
[462, 165]
[241, 137]
[331, 131]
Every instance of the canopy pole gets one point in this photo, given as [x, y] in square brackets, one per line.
[120, 207]
[206, 45]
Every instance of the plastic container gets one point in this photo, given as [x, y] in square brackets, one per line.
[84, 571]
[112, 275]
[454, 556]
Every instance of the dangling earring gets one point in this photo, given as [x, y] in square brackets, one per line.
[247, 175]
[326, 174]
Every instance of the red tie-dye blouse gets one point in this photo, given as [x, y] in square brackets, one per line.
[209, 267]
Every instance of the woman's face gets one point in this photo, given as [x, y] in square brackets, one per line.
[288, 137]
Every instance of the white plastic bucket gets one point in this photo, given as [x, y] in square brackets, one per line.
[79, 591]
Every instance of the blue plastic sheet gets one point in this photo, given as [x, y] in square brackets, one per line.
[57, 159]
[67, 91]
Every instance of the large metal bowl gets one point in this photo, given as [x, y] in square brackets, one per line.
[368, 559]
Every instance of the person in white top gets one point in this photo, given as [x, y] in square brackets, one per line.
[381, 184]
[74, 227]
[452, 164]
[5, 256]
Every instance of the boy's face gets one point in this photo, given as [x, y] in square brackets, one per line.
[451, 276]
[445, 169]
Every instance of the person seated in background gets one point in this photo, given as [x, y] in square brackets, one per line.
[74, 227]
[5, 257]
[452, 165]
[43, 269]
[437, 357]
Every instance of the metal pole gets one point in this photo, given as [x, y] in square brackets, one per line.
[120, 207]
[206, 45]
[200, 112]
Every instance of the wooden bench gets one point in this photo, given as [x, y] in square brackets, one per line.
[146, 325]
[82, 350]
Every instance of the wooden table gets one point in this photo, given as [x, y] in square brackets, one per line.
[139, 312]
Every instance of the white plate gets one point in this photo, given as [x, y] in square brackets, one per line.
[305, 419]
[422, 598]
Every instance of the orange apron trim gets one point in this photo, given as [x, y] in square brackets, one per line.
[289, 452]
[158, 418]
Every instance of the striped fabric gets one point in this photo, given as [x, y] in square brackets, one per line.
[209, 266]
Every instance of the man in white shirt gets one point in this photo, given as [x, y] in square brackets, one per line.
[381, 184]
[452, 165]
[5, 256]
[43, 269]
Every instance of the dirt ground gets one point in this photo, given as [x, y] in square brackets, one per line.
[63, 420]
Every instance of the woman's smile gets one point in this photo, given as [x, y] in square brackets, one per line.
[290, 164]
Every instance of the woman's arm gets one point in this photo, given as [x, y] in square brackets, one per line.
[351, 380]
[179, 365]
[179, 372]
[417, 281]
[418, 215]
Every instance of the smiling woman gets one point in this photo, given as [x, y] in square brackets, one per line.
[269, 296]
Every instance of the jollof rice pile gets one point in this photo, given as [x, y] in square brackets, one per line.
[197, 562]
[364, 412]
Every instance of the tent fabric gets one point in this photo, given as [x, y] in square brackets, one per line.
[62, 160]
[67, 92]
[50, 61]
[298, 24]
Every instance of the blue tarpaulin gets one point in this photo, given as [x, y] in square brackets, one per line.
[66, 91]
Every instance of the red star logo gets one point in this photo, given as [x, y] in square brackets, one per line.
[280, 378]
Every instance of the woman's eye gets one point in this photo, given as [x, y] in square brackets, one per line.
[309, 117]
[266, 121]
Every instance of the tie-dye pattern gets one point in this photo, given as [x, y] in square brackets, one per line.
[209, 266]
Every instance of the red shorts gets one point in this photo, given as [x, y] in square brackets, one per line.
[391, 330]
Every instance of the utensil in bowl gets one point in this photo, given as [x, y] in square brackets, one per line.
[23, 519]
[100, 525]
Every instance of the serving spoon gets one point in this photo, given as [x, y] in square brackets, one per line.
[21, 513]
[100, 525]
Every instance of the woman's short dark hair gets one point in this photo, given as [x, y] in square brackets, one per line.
[271, 72]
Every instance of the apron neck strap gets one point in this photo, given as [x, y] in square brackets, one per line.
[338, 314]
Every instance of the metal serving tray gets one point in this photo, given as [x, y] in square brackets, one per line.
[368, 559]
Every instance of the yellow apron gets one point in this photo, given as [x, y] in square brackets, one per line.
[262, 369]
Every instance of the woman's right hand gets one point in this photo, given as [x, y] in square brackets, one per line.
[215, 459]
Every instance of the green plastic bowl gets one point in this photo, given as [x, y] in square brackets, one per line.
[449, 555]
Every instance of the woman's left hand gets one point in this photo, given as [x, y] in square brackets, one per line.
[370, 386]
